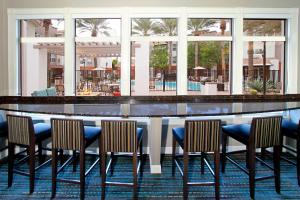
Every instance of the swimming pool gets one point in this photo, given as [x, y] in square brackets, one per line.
[171, 85]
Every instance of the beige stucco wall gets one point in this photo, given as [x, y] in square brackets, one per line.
[100, 3]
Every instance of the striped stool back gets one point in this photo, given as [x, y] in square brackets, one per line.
[20, 129]
[266, 131]
[202, 135]
[119, 136]
[67, 134]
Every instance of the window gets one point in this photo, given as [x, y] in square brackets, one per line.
[153, 56]
[209, 56]
[161, 51]
[263, 63]
[42, 55]
[98, 57]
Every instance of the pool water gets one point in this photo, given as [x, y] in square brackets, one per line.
[171, 85]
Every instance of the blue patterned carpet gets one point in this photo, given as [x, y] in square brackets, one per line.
[234, 183]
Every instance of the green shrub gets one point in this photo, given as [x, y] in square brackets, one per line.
[258, 85]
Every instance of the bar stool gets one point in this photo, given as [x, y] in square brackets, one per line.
[120, 136]
[198, 136]
[3, 132]
[69, 134]
[263, 132]
[22, 132]
[291, 129]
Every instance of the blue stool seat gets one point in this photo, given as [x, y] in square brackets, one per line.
[178, 134]
[3, 129]
[42, 130]
[91, 132]
[239, 132]
[289, 128]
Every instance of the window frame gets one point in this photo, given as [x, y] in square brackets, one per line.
[283, 39]
[217, 39]
[182, 13]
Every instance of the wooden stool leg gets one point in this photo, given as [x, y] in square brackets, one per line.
[31, 166]
[251, 161]
[141, 152]
[74, 160]
[54, 171]
[112, 163]
[217, 174]
[298, 158]
[40, 152]
[276, 160]
[61, 156]
[263, 154]
[224, 150]
[141, 158]
[134, 170]
[202, 162]
[247, 156]
[11, 155]
[82, 172]
[173, 155]
[103, 174]
[185, 175]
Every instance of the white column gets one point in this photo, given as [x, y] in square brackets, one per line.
[292, 72]
[182, 55]
[69, 71]
[154, 138]
[125, 54]
[142, 53]
[237, 55]
[13, 72]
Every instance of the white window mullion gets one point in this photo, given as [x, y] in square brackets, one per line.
[13, 66]
[237, 56]
[209, 38]
[264, 38]
[125, 55]
[154, 38]
[98, 39]
[292, 74]
[42, 40]
[69, 71]
[182, 55]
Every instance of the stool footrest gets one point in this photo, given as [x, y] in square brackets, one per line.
[91, 167]
[68, 180]
[238, 165]
[264, 177]
[119, 183]
[201, 183]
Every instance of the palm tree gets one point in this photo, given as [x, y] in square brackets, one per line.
[169, 27]
[143, 26]
[96, 26]
[198, 27]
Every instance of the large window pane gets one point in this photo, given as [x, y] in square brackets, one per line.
[98, 64]
[263, 67]
[264, 27]
[209, 68]
[98, 27]
[209, 27]
[154, 27]
[157, 63]
[42, 66]
[98, 69]
[42, 28]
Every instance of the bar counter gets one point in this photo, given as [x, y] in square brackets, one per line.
[155, 111]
